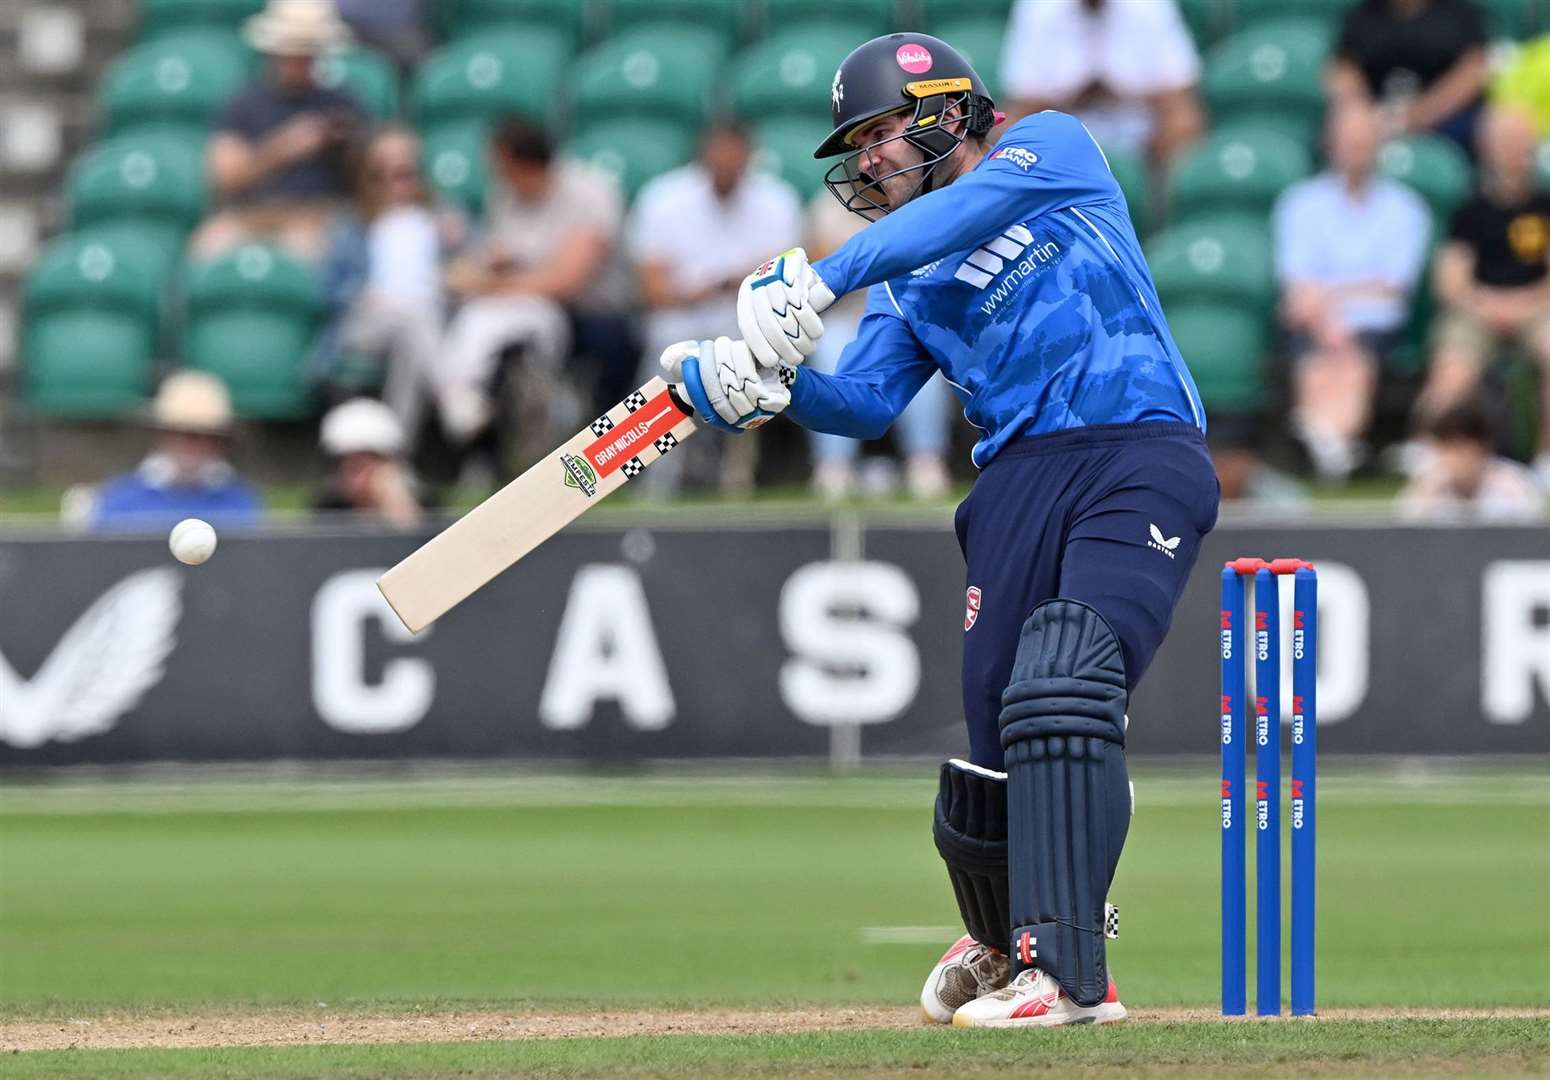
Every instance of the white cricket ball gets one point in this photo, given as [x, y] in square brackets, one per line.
[192, 541]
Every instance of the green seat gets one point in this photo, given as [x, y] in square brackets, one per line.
[785, 147]
[1247, 13]
[936, 13]
[723, 18]
[89, 329]
[1216, 280]
[143, 192]
[788, 75]
[158, 17]
[1135, 183]
[1225, 349]
[861, 20]
[493, 74]
[1237, 170]
[1271, 74]
[633, 150]
[657, 72]
[456, 162]
[454, 19]
[1435, 167]
[252, 315]
[979, 41]
[1517, 19]
[1226, 259]
[178, 80]
[1208, 20]
[366, 75]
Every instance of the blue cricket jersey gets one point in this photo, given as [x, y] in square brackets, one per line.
[1023, 283]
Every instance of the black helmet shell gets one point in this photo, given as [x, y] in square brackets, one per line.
[874, 80]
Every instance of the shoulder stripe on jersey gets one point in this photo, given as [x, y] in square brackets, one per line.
[887, 288]
[1193, 408]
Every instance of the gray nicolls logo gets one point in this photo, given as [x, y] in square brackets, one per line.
[1159, 543]
[100, 669]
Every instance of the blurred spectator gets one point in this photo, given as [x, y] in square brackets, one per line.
[1524, 83]
[365, 445]
[280, 156]
[382, 278]
[1127, 68]
[695, 233]
[395, 27]
[1492, 276]
[1350, 246]
[1423, 61]
[923, 430]
[546, 282]
[187, 473]
[1462, 476]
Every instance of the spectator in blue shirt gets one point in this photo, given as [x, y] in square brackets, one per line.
[1350, 246]
[186, 474]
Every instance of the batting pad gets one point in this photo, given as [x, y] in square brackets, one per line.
[1068, 793]
[970, 831]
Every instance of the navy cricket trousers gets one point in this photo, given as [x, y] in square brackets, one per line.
[1111, 515]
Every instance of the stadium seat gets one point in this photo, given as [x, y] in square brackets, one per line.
[1246, 13]
[179, 80]
[455, 157]
[1517, 19]
[149, 192]
[454, 19]
[785, 147]
[723, 18]
[1237, 170]
[655, 71]
[1434, 166]
[937, 13]
[490, 75]
[860, 20]
[788, 75]
[1271, 74]
[89, 329]
[1130, 172]
[366, 75]
[1217, 285]
[1208, 20]
[979, 41]
[252, 315]
[159, 17]
[634, 150]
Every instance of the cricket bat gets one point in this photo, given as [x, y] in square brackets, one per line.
[598, 460]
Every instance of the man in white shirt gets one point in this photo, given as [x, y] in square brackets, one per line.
[694, 234]
[1126, 68]
[1350, 246]
[546, 279]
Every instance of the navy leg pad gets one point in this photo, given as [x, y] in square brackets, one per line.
[1068, 792]
[970, 831]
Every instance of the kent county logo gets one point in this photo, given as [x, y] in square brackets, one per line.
[971, 607]
[579, 474]
[1158, 543]
[922, 271]
[1022, 157]
[837, 90]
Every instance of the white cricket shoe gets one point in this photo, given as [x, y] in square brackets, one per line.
[1035, 999]
[966, 971]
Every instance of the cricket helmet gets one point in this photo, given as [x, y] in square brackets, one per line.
[896, 73]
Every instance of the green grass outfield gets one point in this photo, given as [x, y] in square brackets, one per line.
[486, 891]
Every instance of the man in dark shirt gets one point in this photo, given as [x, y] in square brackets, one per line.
[281, 155]
[1492, 274]
[1422, 61]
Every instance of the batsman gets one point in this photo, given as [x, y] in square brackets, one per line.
[1012, 269]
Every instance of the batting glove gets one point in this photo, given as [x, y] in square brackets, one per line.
[729, 391]
[778, 307]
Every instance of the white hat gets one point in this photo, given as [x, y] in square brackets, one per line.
[297, 28]
[362, 426]
[192, 401]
